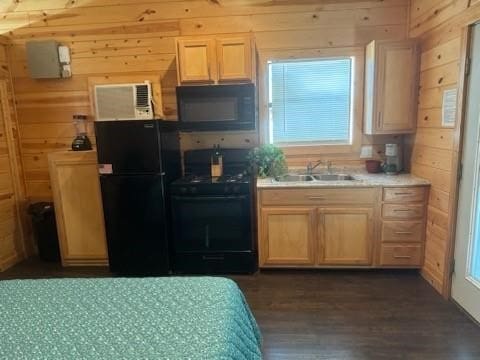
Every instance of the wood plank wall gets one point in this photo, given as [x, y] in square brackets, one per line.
[439, 25]
[12, 248]
[134, 39]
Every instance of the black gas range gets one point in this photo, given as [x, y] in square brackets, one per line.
[213, 229]
[207, 185]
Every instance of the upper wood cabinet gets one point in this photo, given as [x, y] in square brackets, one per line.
[234, 59]
[215, 59]
[391, 87]
[196, 60]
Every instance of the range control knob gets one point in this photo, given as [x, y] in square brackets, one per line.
[226, 189]
[193, 190]
[236, 189]
[183, 190]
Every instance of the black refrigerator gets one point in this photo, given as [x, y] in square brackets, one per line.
[137, 161]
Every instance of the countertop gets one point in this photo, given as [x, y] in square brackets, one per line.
[361, 179]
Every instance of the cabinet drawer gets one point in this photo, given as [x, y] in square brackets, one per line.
[401, 255]
[411, 211]
[401, 195]
[397, 231]
[317, 196]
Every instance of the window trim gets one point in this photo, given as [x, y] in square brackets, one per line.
[308, 149]
[352, 99]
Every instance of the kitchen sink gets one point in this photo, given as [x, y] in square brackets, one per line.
[293, 178]
[332, 177]
[315, 177]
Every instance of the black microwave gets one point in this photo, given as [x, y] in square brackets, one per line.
[216, 107]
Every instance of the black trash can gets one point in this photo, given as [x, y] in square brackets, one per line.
[45, 230]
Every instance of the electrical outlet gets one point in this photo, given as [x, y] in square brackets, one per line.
[366, 152]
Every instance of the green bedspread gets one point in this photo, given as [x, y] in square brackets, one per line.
[144, 318]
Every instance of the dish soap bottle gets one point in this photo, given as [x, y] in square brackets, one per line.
[216, 162]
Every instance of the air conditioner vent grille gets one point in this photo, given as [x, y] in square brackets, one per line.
[142, 96]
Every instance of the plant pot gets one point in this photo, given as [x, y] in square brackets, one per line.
[373, 166]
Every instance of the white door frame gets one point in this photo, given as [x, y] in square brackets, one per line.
[463, 288]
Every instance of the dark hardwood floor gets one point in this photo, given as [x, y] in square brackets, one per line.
[337, 314]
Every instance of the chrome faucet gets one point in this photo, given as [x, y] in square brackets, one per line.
[329, 167]
[311, 166]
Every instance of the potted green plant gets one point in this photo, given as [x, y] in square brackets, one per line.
[267, 161]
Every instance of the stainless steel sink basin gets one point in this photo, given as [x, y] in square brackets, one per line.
[317, 177]
[293, 178]
[332, 177]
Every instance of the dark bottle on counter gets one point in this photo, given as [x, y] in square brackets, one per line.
[216, 162]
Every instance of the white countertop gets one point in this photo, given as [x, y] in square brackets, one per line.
[361, 179]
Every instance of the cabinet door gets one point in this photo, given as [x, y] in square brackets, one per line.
[396, 87]
[234, 57]
[345, 236]
[196, 60]
[287, 236]
[78, 209]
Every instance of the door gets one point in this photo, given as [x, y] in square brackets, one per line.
[397, 86]
[466, 277]
[288, 236]
[234, 59]
[135, 224]
[345, 236]
[196, 60]
[128, 147]
[203, 224]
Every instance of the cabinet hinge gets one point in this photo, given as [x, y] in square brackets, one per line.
[452, 267]
[460, 172]
[468, 65]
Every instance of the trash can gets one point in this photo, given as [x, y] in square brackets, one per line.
[45, 230]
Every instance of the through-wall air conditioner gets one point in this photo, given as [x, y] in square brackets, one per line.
[123, 102]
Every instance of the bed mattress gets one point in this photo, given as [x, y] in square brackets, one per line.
[126, 318]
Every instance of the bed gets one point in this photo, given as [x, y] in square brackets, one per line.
[126, 318]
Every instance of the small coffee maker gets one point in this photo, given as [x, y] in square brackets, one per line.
[393, 159]
[81, 141]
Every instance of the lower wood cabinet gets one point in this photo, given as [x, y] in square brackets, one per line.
[78, 208]
[344, 227]
[288, 236]
[345, 236]
[336, 229]
[403, 219]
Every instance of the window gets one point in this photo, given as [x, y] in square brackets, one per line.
[311, 101]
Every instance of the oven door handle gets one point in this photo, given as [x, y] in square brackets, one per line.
[207, 236]
[207, 197]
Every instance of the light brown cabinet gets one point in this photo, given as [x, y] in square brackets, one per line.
[391, 87]
[234, 57]
[288, 236]
[336, 228]
[402, 224]
[341, 227]
[345, 236]
[78, 207]
[217, 59]
[196, 60]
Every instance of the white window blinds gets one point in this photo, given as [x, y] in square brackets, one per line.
[311, 101]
